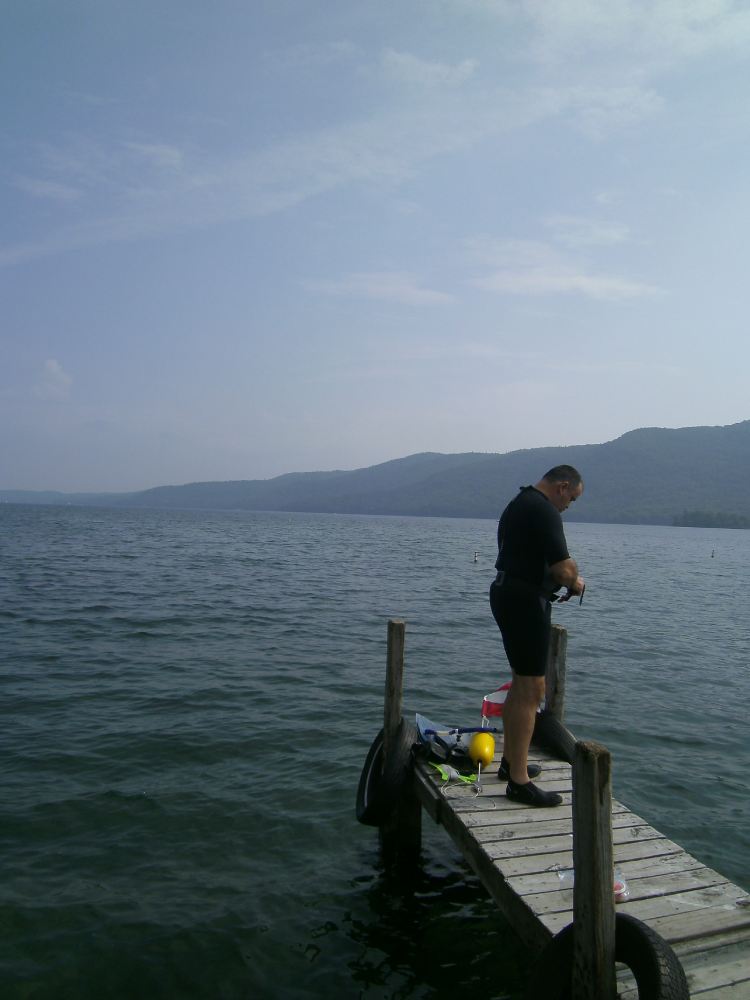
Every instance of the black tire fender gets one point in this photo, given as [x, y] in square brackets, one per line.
[657, 970]
[379, 790]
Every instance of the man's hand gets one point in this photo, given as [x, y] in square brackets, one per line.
[574, 590]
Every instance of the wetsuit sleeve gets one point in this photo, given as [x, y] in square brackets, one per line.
[555, 545]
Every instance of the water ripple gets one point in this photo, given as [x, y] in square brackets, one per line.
[189, 698]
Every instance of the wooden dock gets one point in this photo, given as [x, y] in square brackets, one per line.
[525, 859]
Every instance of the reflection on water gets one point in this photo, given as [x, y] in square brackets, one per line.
[430, 930]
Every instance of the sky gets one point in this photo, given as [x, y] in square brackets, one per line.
[253, 237]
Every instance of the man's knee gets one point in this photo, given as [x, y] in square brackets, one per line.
[529, 690]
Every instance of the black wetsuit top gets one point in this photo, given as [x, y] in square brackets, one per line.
[530, 539]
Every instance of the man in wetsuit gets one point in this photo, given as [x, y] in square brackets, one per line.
[533, 563]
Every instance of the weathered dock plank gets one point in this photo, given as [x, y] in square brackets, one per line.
[525, 859]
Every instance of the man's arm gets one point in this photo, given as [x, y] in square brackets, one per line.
[565, 574]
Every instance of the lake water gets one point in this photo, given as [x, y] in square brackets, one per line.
[188, 698]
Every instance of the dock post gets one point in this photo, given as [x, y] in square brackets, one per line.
[401, 834]
[554, 679]
[593, 892]
[394, 683]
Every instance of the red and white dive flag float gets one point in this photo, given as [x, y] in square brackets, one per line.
[492, 704]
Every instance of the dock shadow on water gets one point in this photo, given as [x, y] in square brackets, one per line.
[427, 928]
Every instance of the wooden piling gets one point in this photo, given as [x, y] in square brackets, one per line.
[593, 894]
[401, 833]
[555, 673]
[394, 683]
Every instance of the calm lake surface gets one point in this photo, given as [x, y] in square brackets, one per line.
[188, 698]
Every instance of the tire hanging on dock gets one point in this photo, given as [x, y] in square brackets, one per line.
[657, 970]
[379, 789]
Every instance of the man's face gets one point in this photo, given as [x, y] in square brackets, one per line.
[565, 495]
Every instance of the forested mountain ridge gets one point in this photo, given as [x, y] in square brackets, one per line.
[652, 475]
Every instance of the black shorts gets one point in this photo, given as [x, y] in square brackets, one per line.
[524, 621]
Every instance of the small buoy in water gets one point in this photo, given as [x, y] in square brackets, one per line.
[712, 553]
[482, 748]
[476, 556]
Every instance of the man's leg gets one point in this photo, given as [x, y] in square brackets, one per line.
[519, 715]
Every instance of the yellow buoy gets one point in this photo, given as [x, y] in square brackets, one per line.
[482, 748]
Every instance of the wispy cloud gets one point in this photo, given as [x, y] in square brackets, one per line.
[651, 35]
[158, 155]
[598, 111]
[127, 198]
[580, 231]
[53, 382]
[405, 68]
[388, 286]
[563, 280]
[606, 198]
[138, 187]
[532, 268]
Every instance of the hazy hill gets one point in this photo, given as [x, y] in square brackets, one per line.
[652, 475]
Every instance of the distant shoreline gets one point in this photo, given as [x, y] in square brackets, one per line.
[706, 520]
[642, 477]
